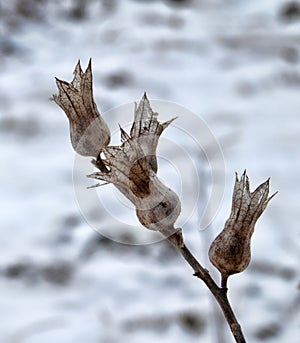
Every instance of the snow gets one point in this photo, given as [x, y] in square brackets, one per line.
[230, 71]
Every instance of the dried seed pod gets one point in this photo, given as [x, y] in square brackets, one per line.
[132, 168]
[230, 252]
[88, 131]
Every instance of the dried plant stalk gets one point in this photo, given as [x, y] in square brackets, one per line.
[132, 169]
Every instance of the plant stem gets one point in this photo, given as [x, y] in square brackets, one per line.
[224, 281]
[220, 294]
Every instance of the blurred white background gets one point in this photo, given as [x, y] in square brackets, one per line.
[233, 63]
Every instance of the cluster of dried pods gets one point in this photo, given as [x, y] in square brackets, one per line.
[132, 168]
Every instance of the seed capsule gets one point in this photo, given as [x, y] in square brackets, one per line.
[132, 168]
[230, 252]
[88, 131]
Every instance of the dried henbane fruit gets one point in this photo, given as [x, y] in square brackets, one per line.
[230, 252]
[88, 131]
[132, 168]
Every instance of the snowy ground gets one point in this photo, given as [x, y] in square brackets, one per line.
[235, 65]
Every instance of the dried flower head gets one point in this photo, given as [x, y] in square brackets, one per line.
[88, 131]
[146, 130]
[132, 168]
[230, 252]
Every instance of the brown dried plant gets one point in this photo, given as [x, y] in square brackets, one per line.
[132, 168]
[230, 252]
[88, 131]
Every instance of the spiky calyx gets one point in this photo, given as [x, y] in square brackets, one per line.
[132, 168]
[88, 131]
[230, 252]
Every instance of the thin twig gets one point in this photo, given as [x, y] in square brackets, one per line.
[220, 294]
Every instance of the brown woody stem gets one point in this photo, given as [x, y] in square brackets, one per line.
[224, 282]
[220, 294]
